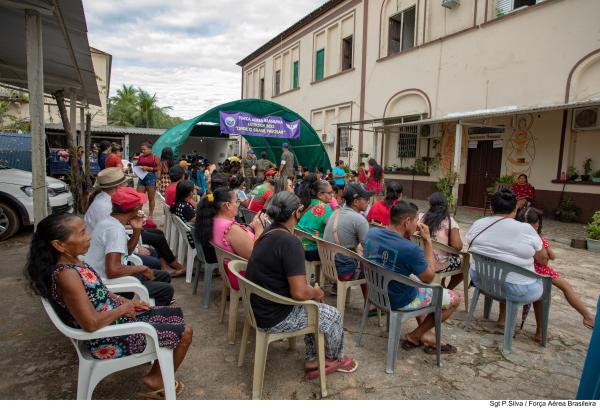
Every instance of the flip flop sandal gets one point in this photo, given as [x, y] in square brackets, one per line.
[372, 313]
[178, 274]
[160, 394]
[408, 345]
[348, 365]
[331, 368]
[446, 349]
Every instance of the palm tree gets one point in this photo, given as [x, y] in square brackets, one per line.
[148, 113]
[123, 106]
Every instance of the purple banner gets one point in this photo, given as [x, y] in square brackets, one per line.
[241, 123]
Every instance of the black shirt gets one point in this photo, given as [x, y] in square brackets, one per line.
[183, 210]
[276, 256]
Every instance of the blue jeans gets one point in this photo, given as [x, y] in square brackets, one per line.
[148, 181]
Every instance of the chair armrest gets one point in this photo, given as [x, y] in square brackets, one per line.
[117, 330]
[121, 280]
[415, 283]
[514, 268]
[135, 260]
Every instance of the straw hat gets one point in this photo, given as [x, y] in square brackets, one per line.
[110, 177]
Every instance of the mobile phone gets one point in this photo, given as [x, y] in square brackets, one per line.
[141, 313]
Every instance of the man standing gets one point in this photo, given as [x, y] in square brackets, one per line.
[262, 165]
[249, 168]
[286, 169]
[110, 245]
[392, 249]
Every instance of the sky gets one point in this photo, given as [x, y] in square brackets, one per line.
[186, 51]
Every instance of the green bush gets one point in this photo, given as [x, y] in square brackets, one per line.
[506, 179]
[592, 230]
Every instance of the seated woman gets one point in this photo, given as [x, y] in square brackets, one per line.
[277, 265]
[215, 223]
[445, 230]
[380, 212]
[261, 193]
[502, 237]
[81, 299]
[316, 216]
[184, 205]
[523, 190]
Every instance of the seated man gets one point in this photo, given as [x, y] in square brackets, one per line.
[100, 207]
[176, 174]
[391, 249]
[110, 243]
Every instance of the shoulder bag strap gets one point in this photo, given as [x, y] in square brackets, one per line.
[335, 225]
[449, 231]
[485, 229]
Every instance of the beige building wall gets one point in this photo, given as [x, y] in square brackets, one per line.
[465, 61]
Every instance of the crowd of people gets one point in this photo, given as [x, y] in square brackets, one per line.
[71, 259]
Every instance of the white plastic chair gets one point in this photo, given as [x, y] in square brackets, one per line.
[130, 284]
[92, 371]
[311, 267]
[208, 271]
[190, 253]
[263, 339]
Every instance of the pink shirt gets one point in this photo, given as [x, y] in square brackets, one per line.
[334, 203]
[441, 236]
[221, 228]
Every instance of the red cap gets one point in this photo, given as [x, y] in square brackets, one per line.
[270, 171]
[127, 198]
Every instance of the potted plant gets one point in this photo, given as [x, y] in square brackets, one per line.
[596, 176]
[587, 169]
[567, 211]
[572, 173]
[592, 232]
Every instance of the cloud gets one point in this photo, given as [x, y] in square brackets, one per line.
[186, 51]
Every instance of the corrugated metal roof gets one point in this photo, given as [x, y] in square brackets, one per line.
[15, 150]
[117, 130]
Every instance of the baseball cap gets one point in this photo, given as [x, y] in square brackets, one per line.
[285, 145]
[354, 191]
[270, 172]
[184, 164]
[127, 198]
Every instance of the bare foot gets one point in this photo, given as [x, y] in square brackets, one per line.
[153, 382]
[176, 265]
[428, 339]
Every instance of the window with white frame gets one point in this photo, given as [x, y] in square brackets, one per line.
[401, 31]
[344, 141]
[407, 138]
[504, 7]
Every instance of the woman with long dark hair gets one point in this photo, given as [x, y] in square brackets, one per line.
[216, 224]
[380, 212]
[81, 299]
[315, 218]
[184, 205]
[445, 230]
[375, 177]
[167, 160]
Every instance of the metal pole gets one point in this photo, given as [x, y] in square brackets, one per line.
[35, 82]
[73, 117]
[81, 141]
[457, 158]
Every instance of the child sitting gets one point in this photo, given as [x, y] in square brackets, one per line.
[533, 217]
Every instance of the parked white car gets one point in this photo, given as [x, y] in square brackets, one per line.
[16, 199]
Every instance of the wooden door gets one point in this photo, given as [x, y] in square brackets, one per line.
[483, 168]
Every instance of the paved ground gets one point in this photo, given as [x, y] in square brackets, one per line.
[39, 363]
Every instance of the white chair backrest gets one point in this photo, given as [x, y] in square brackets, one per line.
[327, 252]
[68, 331]
[182, 227]
[491, 274]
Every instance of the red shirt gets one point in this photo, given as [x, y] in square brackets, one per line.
[522, 190]
[380, 213]
[148, 160]
[170, 194]
[113, 161]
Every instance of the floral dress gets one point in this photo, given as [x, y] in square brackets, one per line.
[167, 320]
[314, 221]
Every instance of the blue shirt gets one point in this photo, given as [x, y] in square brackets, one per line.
[394, 252]
[339, 171]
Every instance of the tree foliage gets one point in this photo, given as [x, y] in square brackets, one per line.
[136, 107]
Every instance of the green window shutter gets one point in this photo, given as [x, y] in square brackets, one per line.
[320, 65]
[295, 74]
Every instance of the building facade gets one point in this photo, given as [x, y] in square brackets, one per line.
[482, 87]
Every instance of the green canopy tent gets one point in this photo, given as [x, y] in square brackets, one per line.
[308, 149]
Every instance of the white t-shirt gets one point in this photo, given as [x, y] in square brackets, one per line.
[508, 240]
[108, 236]
[100, 208]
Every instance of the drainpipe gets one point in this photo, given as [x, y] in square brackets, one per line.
[456, 162]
